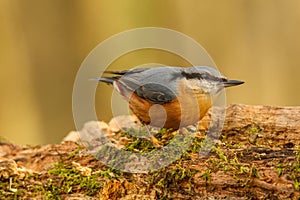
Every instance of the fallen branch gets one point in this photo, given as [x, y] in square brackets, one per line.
[257, 157]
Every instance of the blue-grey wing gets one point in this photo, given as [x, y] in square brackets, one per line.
[156, 93]
[156, 84]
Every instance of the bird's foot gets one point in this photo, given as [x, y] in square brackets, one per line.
[155, 142]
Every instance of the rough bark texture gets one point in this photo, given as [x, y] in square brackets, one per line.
[257, 157]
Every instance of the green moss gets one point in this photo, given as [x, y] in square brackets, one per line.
[63, 178]
[139, 145]
[169, 178]
[296, 170]
[253, 130]
[196, 145]
[206, 175]
[291, 168]
[73, 153]
[141, 141]
[66, 179]
[220, 154]
[281, 168]
[253, 135]
[242, 172]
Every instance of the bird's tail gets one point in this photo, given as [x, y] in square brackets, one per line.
[108, 80]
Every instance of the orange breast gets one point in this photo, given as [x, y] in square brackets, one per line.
[188, 108]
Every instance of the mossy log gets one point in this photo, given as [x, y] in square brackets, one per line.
[256, 157]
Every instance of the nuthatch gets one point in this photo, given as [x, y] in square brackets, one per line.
[169, 97]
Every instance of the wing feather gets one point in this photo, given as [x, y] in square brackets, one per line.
[152, 84]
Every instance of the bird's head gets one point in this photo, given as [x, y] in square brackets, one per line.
[207, 80]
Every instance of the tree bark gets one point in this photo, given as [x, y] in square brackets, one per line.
[256, 157]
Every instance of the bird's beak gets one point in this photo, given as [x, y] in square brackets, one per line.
[230, 83]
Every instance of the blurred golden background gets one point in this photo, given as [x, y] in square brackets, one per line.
[43, 43]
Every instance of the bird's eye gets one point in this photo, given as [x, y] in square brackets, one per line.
[204, 76]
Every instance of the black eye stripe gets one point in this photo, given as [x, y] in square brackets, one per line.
[203, 75]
